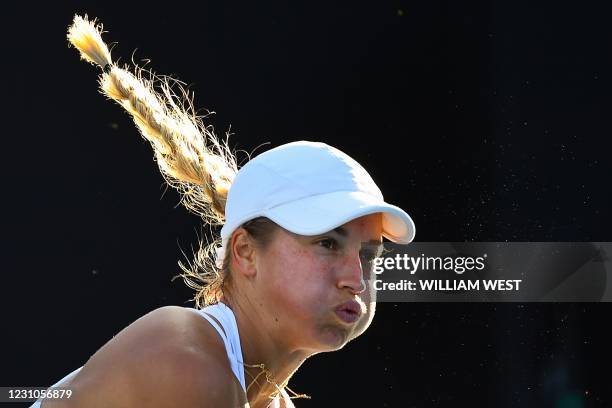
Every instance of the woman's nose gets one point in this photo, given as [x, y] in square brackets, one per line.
[351, 274]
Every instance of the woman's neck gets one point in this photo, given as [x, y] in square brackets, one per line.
[269, 362]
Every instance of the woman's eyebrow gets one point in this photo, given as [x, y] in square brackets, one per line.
[341, 231]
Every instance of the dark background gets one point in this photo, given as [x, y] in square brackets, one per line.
[486, 121]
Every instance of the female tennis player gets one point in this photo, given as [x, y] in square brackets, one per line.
[286, 280]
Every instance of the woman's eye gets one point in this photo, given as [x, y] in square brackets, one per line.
[328, 243]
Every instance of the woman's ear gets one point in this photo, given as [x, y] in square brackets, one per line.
[243, 253]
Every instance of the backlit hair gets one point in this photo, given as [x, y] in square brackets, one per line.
[189, 155]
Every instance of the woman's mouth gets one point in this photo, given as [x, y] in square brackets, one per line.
[349, 312]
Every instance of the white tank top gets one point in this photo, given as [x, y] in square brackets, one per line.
[231, 339]
[229, 334]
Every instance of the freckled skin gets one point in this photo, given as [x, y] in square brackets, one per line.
[300, 282]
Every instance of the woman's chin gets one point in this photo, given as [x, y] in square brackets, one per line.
[333, 337]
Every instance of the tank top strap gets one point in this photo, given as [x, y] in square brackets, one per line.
[223, 320]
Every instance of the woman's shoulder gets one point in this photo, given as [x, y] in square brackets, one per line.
[171, 334]
[171, 356]
[167, 331]
[172, 328]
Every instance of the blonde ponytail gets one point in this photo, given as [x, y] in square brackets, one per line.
[189, 155]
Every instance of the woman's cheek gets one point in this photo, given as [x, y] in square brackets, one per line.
[365, 321]
[368, 297]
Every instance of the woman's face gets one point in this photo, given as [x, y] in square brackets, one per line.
[312, 287]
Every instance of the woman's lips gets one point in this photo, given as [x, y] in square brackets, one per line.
[349, 312]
